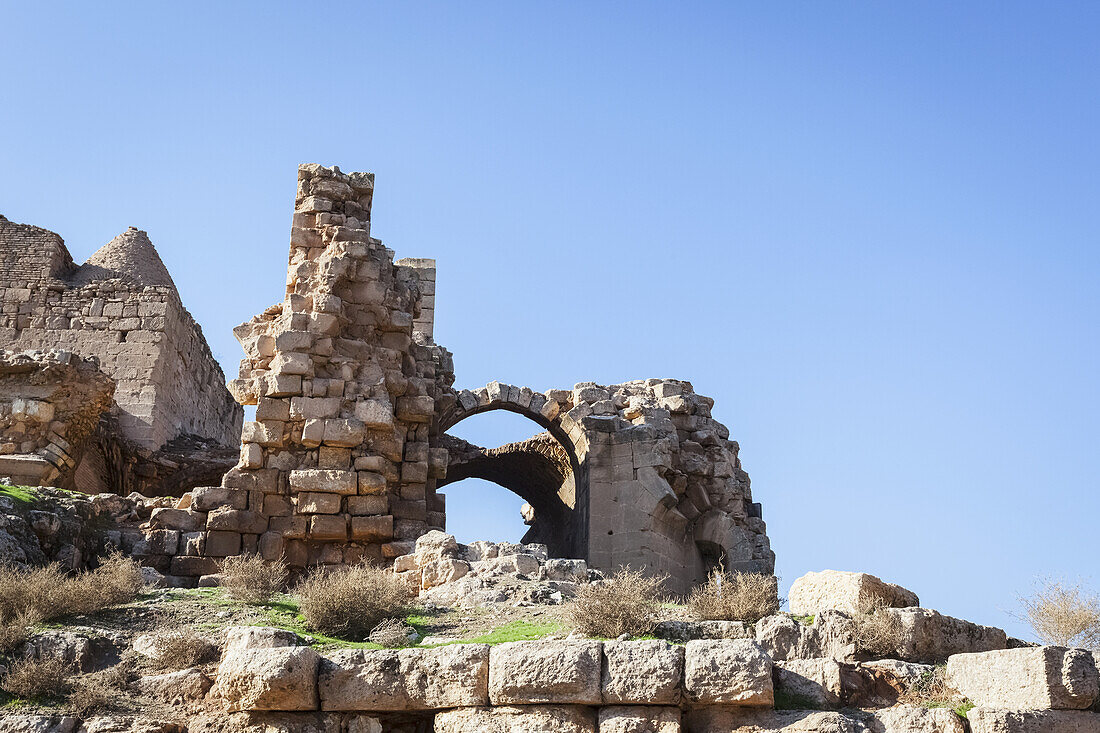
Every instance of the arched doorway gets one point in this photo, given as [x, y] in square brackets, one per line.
[546, 470]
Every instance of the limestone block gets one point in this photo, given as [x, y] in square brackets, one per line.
[181, 519]
[268, 408]
[419, 408]
[268, 679]
[1031, 678]
[313, 432]
[205, 498]
[913, 719]
[639, 719]
[531, 672]
[989, 720]
[845, 591]
[314, 408]
[184, 685]
[236, 520]
[23, 723]
[281, 385]
[930, 637]
[252, 455]
[318, 503]
[405, 679]
[375, 414]
[223, 544]
[268, 433]
[328, 527]
[368, 505]
[293, 363]
[444, 570]
[816, 680]
[371, 483]
[157, 542]
[713, 719]
[528, 719]
[371, 529]
[642, 673]
[728, 672]
[322, 480]
[343, 432]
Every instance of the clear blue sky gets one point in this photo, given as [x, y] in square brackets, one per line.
[869, 230]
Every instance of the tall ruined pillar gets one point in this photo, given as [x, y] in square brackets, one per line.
[336, 466]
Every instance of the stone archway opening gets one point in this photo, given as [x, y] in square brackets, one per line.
[541, 470]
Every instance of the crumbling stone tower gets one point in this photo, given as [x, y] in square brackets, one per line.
[345, 379]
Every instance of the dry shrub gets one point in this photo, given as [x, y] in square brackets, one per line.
[48, 592]
[391, 633]
[92, 693]
[931, 689]
[183, 648]
[1063, 614]
[251, 579]
[33, 678]
[351, 600]
[735, 596]
[877, 630]
[625, 603]
[17, 631]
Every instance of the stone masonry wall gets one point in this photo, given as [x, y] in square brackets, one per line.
[353, 401]
[122, 308]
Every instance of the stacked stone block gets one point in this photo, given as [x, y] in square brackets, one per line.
[122, 308]
[50, 401]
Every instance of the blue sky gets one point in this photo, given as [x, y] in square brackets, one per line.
[868, 230]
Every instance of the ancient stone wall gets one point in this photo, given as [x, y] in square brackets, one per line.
[121, 307]
[353, 401]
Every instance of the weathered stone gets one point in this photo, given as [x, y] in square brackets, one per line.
[913, 719]
[259, 637]
[532, 672]
[1032, 678]
[639, 719]
[405, 679]
[186, 685]
[832, 635]
[642, 673]
[17, 723]
[268, 679]
[817, 681]
[727, 672]
[716, 719]
[990, 720]
[845, 591]
[527, 719]
[930, 637]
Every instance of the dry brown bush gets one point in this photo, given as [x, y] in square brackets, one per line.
[391, 633]
[1063, 614]
[625, 603]
[251, 579]
[183, 648]
[92, 693]
[48, 592]
[33, 678]
[735, 596]
[877, 630]
[17, 631]
[931, 690]
[350, 601]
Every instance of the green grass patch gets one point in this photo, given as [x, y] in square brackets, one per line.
[804, 620]
[518, 630]
[22, 494]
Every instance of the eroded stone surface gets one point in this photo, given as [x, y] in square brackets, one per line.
[529, 719]
[639, 719]
[727, 672]
[1033, 678]
[268, 679]
[991, 720]
[529, 672]
[642, 673]
[845, 591]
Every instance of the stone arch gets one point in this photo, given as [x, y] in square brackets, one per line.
[561, 512]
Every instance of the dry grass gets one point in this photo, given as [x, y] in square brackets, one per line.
[251, 579]
[350, 601]
[625, 603]
[183, 648]
[35, 678]
[1063, 614]
[728, 596]
[391, 633]
[932, 691]
[877, 631]
[17, 631]
[48, 592]
[93, 693]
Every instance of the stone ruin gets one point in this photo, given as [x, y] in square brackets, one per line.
[349, 447]
[171, 425]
